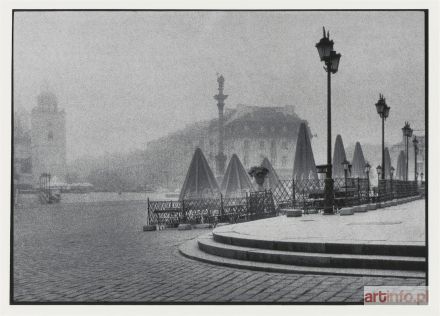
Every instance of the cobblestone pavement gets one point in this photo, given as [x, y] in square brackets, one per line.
[98, 253]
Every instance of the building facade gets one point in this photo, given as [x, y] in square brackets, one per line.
[253, 133]
[48, 139]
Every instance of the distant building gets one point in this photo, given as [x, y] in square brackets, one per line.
[22, 151]
[251, 132]
[48, 139]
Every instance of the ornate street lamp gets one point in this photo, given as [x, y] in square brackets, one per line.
[331, 60]
[367, 172]
[383, 110]
[416, 151]
[407, 132]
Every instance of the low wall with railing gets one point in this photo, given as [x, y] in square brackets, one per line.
[309, 193]
[303, 194]
[254, 205]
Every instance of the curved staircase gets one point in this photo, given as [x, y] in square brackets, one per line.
[393, 260]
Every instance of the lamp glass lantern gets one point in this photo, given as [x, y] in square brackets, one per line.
[381, 106]
[392, 171]
[386, 111]
[379, 170]
[345, 163]
[325, 46]
[415, 141]
[334, 61]
[407, 130]
[367, 168]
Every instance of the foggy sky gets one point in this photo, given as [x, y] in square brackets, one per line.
[125, 78]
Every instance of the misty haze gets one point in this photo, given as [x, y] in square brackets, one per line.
[143, 137]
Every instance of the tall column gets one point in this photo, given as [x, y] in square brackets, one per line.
[220, 158]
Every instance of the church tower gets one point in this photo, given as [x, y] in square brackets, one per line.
[48, 139]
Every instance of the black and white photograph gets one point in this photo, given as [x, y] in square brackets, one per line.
[219, 157]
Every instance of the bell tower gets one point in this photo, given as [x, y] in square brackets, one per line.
[48, 139]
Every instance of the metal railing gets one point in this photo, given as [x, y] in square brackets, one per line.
[252, 206]
[305, 194]
[309, 193]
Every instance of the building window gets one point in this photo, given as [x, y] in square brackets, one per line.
[262, 144]
[284, 161]
[50, 135]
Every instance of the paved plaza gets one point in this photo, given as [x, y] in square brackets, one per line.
[97, 252]
[403, 224]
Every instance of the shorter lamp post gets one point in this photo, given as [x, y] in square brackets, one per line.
[367, 172]
[407, 132]
[416, 151]
[421, 177]
[383, 110]
[379, 173]
[391, 178]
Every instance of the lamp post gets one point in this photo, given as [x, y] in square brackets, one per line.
[383, 110]
[331, 61]
[421, 177]
[416, 151]
[407, 132]
[367, 172]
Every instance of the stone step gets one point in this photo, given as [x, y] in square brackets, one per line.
[209, 245]
[322, 247]
[191, 250]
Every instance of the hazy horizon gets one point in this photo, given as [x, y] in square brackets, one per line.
[126, 78]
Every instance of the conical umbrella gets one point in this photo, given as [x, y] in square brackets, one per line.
[272, 180]
[401, 166]
[200, 181]
[358, 163]
[236, 180]
[304, 166]
[338, 158]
